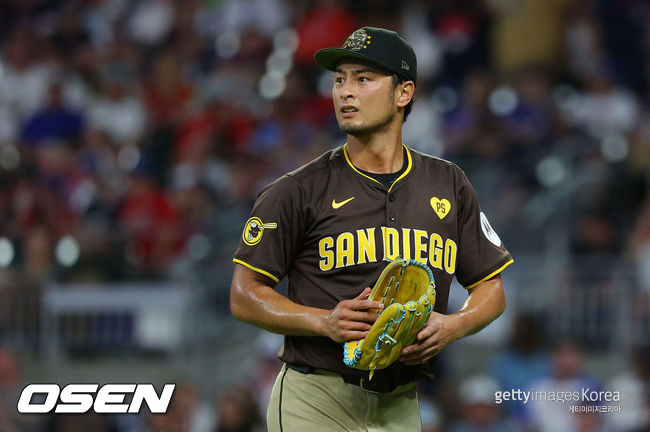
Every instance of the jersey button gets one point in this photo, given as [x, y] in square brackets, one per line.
[391, 198]
[392, 217]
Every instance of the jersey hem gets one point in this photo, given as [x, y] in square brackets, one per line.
[497, 271]
[256, 269]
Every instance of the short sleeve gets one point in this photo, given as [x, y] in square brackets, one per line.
[481, 253]
[271, 236]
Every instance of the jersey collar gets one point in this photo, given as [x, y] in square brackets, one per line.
[404, 174]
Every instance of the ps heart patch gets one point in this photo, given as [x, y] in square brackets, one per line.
[442, 207]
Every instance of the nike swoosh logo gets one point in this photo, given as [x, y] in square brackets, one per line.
[338, 205]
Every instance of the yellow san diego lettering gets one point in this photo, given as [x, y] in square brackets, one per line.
[435, 251]
[420, 245]
[344, 250]
[360, 247]
[391, 243]
[406, 243]
[324, 249]
[450, 256]
[367, 248]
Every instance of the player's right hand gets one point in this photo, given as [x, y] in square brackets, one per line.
[350, 319]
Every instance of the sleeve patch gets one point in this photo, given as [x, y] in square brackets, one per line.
[254, 229]
[489, 232]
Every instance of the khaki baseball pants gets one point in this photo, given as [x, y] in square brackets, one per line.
[322, 401]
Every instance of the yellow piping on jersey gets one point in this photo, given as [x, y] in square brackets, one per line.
[408, 168]
[258, 270]
[499, 270]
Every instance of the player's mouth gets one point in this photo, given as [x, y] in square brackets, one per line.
[348, 111]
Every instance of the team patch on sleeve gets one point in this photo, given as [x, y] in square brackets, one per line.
[489, 232]
[254, 229]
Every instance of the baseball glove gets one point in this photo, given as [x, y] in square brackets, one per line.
[408, 292]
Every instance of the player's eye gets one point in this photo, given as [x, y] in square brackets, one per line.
[338, 80]
[363, 79]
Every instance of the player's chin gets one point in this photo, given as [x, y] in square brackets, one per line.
[351, 128]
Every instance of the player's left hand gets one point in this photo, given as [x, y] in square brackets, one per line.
[440, 331]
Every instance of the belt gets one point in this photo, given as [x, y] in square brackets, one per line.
[377, 385]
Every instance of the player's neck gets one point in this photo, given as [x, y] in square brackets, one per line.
[377, 154]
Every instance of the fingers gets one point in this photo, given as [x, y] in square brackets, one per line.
[419, 357]
[358, 304]
[416, 349]
[361, 309]
[352, 315]
[427, 345]
[351, 319]
[421, 352]
[355, 325]
[431, 328]
[362, 302]
[425, 333]
[364, 294]
[352, 330]
[354, 335]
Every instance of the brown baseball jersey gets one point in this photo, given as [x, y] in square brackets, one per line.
[331, 229]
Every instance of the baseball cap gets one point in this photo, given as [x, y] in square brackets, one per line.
[382, 47]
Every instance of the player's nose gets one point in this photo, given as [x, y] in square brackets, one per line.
[345, 91]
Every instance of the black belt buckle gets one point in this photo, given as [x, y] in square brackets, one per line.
[377, 386]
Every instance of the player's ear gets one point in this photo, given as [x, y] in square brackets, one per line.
[406, 91]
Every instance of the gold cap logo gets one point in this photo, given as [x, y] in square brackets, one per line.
[357, 40]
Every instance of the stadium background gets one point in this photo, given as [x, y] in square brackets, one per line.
[134, 137]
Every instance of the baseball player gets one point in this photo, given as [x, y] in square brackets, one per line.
[332, 225]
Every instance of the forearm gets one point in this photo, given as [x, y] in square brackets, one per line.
[485, 303]
[254, 302]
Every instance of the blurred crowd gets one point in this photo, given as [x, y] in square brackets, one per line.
[135, 135]
[126, 128]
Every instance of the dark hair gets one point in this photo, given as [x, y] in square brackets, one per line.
[407, 109]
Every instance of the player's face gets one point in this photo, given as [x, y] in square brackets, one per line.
[364, 100]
